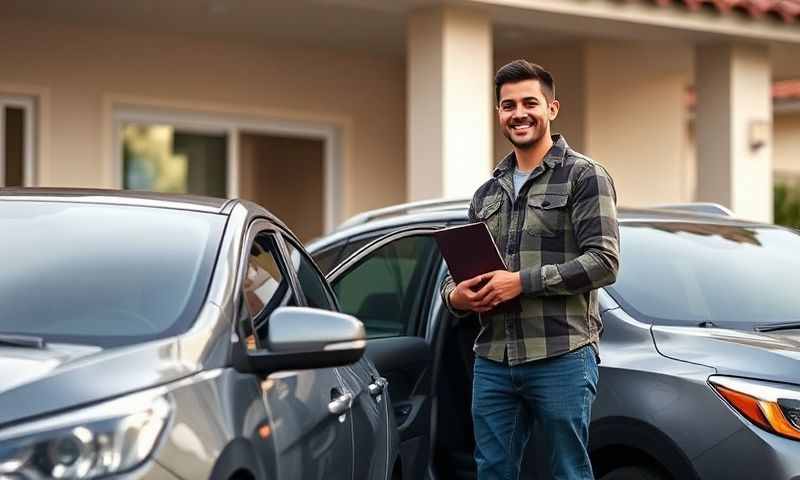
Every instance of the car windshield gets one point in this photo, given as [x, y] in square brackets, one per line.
[682, 273]
[100, 274]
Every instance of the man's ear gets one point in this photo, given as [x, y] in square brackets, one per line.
[553, 109]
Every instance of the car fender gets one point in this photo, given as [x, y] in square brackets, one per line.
[622, 434]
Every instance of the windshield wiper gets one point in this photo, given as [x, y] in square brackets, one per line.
[25, 341]
[774, 327]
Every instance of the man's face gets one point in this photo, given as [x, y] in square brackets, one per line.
[524, 113]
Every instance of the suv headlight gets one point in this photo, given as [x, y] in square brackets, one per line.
[775, 407]
[99, 440]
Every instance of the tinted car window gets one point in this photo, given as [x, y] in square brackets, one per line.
[311, 282]
[688, 273]
[332, 256]
[103, 275]
[265, 286]
[385, 288]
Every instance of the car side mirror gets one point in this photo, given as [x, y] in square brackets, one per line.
[302, 338]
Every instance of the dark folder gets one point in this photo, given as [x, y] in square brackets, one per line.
[469, 251]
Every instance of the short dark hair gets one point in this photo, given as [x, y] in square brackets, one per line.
[520, 70]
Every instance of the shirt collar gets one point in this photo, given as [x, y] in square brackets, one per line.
[553, 158]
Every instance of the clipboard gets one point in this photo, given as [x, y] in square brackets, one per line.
[469, 250]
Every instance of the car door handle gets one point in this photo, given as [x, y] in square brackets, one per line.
[376, 387]
[341, 404]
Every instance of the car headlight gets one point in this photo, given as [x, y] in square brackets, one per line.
[775, 407]
[98, 440]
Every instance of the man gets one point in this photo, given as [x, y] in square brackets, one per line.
[552, 213]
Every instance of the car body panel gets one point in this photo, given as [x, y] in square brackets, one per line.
[734, 352]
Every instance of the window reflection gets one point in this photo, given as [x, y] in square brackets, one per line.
[161, 158]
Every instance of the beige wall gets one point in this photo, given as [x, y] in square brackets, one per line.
[786, 150]
[636, 119]
[362, 94]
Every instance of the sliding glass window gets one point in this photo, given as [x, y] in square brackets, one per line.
[164, 158]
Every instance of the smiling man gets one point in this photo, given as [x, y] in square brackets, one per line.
[552, 213]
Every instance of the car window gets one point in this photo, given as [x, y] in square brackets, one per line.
[265, 286]
[334, 255]
[314, 285]
[682, 273]
[328, 258]
[105, 275]
[386, 288]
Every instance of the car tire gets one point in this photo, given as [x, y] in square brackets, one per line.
[634, 473]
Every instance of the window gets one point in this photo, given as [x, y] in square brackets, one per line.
[313, 284]
[16, 141]
[334, 255]
[677, 273]
[265, 286]
[387, 287]
[163, 158]
[127, 275]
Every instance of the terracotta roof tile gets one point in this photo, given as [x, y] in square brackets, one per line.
[786, 10]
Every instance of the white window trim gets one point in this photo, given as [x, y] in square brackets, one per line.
[28, 105]
[232, 126]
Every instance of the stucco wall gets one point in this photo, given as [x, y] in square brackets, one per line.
[79, 67]
[636, 119]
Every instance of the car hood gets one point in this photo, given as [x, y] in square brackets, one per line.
[35, 382]
[769, 356]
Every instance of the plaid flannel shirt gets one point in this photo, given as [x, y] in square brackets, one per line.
[561, 234]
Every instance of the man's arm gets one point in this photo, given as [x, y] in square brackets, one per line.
[594, 219]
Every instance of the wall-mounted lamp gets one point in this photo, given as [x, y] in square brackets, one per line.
[759, 134]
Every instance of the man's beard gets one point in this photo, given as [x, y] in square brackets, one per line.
[522, 145]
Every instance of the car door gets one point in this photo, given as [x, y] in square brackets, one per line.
[368, 415]
[307, 408]
[387, 286]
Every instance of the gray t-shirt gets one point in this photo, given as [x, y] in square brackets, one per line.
[519, 179]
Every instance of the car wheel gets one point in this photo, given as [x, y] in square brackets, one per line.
[634, 473]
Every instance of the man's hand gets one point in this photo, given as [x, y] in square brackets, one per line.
[463, 297]
[502, 287]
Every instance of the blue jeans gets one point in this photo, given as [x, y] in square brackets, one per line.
[556, 394]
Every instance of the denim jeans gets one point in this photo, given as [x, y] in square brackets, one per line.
[556, 394]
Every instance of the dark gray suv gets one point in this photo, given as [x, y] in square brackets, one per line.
[162, 337]
[700, 354]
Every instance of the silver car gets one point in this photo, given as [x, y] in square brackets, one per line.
[700, 354]
[162, 337]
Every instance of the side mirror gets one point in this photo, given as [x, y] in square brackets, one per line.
[302, 338]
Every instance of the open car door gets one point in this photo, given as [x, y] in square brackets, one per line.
[387, 285]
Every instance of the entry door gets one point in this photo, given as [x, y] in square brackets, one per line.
[388, 287]
[287, 176]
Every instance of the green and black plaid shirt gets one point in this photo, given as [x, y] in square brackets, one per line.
[561, 233]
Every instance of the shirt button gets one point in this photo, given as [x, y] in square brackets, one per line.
[545, 203]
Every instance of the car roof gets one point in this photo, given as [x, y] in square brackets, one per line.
[117, 197]
[451, 211]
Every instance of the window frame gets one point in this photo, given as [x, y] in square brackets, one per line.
[231, 121]
[413, 327]
[257, 227]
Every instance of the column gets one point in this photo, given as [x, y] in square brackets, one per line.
[734, 129]
[450, 98]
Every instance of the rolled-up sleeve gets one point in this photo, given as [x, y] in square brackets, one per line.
[593, 213]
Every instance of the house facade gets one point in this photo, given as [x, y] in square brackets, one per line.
[320, 109]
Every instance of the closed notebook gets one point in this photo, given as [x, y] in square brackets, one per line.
[469, 251]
